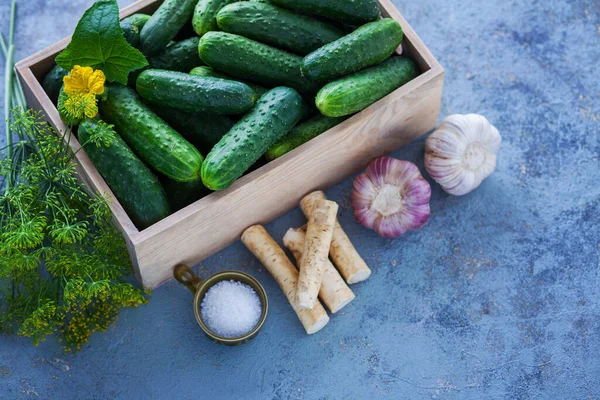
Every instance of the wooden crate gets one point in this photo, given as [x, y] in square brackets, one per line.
[213, 222]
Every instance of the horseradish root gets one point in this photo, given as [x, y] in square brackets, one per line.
[334, 291]
[345, 257]
[315, 252]
[264, 247]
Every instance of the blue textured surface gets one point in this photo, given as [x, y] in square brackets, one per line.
[497, 297]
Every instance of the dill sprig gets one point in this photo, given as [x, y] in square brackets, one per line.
[64, 266]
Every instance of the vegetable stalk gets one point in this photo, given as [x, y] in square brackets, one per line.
[9, 53]
[266, 249]
[345, 257]
[334, 292]
[316, 252]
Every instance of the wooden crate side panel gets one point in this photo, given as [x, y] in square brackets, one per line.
[219, 219]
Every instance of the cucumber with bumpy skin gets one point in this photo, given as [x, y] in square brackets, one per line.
[208, 71]
[177, 56]
[275, 114]
[301, 134]
[151, 138]
[205, 13]
[53, 82]
[244, 58]
[356, 92]
[132, 26]
[195, 93]
[131, 181]
[368, 45]
[355, 12]
[276, 26]
[164, 24]
[180, 56]
[201, 130]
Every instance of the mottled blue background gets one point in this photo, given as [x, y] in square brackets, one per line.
[496, 298]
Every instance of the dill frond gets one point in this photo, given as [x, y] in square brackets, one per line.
[64, 267]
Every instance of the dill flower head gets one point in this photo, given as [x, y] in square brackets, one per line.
[81, 104]
[100, 133]
[68, 232]
[26, 233]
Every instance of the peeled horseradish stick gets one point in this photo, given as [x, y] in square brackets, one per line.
[266, 249]
[334, 292]
[345, 257]
[316, 252]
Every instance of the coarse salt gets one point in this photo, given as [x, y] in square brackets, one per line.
[231, 309]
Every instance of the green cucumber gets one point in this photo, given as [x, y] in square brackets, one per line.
[208, 71]
[301, 134]
[194, 93]
[53, 82]
[368, 45]
[164, 25]
[131, 181]
[132, 26]
[152, 139]
[201, 130]
[205, 13]
[244, 58]
[281, 28]
[356, 12]
[274, 114]
[204, 70]
[182, 194]
[179, 56]
[356, 92]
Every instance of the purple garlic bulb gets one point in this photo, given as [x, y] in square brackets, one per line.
[391, 197]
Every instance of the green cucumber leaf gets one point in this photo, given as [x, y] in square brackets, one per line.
[98, 42]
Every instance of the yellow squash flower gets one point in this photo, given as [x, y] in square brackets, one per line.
[84, 80]
[81, 87]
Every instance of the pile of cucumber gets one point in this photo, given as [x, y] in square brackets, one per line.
[239, 81]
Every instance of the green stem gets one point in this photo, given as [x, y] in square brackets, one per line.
[11, 30]
[8, 101]
[3, 45]
[18, 98]
[9, 52]
[20, 93]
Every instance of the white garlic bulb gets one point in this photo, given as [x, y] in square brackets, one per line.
[461, 153]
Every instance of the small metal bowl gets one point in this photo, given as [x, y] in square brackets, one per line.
[199, 287]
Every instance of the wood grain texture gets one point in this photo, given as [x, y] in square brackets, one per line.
[212, 223]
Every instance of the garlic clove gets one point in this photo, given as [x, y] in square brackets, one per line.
[391, 197]
[461, 153]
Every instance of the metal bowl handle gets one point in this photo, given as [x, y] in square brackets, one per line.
[186, 276]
